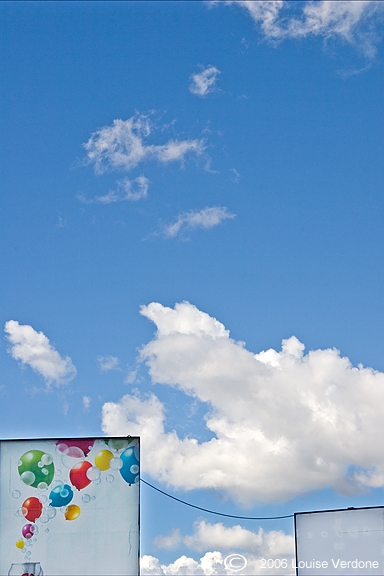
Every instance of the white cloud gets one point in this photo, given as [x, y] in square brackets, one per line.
[206, 218]
[284, 422]
[208, 536]
[215, 563]
[127, 189]
[168, 542]
[33, 348]
[106, 363]
[123, 146]
[203, 83]
[349, 20]
[87, 402]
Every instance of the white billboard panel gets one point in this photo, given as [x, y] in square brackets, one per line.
[349, 541]
[69, 507]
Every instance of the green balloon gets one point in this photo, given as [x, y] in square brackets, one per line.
[33, 474]
[117, 443]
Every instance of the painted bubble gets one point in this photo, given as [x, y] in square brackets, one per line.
[46, 459]
[116, 463]
[28, 478]
[86, 498]
[110, 478]
[71, 455]
[16, 494]
[93, 473]
[51, 512]
[44, 518]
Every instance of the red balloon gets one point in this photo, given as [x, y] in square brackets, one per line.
[32, 508]
[78, 475]
[84, 445]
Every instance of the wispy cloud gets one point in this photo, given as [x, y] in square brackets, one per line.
[106, 363]
[206, 218]
[348, 20]
[203, 83]
[123, 145]
[131, 190]
[87, 402]
[34, 348]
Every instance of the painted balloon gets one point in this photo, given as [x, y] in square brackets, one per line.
[36, 467]
[130, 467]
[72, 512]
[61, 495]
[78, 475]
[28, 531]
[84, 445]
[20, 544]
[116, 443]
[32, 508]
[103, 459]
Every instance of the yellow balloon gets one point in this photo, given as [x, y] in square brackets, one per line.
[72, 512]
[20, 544]
[103, 459]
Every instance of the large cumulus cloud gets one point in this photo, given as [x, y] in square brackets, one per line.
[284, 422]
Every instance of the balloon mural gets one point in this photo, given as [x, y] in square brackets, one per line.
[58, 480]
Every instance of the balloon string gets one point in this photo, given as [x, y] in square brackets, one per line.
[212, 511]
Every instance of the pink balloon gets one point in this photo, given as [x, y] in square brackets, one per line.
[28, 531]
[84, 445]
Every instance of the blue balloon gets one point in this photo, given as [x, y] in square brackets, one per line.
[130, 467]
[61, 495]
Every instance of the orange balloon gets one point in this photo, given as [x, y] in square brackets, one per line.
[72, 512]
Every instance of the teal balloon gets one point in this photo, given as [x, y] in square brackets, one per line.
[130, 468]
[31, 473]
[61, 495]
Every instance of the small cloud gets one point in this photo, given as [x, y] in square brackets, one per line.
[353, 71]
[350, 21]
[236, 174]
[108, 363]
[123, 145]
[87, 402]
[34, 348]
[168, 542]
[131, 190]
[61, 222]
[206, 218]
[131, 377]
[203, 83]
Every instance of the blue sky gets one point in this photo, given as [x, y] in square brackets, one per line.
[189, 192]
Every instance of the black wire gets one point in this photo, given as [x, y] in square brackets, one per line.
[212, 511]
